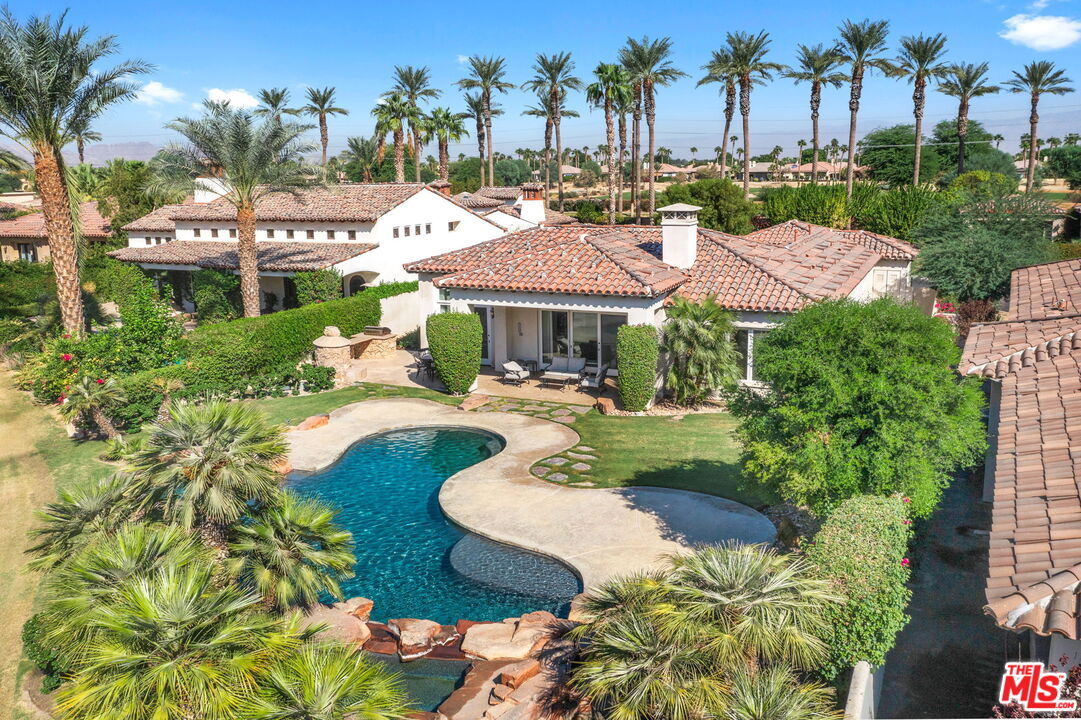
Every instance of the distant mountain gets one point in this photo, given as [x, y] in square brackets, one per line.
[104, 152]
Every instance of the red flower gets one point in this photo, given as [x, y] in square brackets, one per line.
[907, 522]
[904, 499]
[60, 400]
[904, 561]
[66, 357]
[100, 381]
[67, 337]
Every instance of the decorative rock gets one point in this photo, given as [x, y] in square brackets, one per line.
[337, 625]
[606, 406]
[332, 331]
[581, 467]
[535, 408]
[581, 456]
[499, 694]
[422, 715]
[358, 607]
[561, 412]
[474, 401]
[283, 466]
[556, 461]
[557, 477]
[416, 638]
[540, 470]
[510, 639]
[312, 422]
[513, 676]
[497, 712]
[577, 612]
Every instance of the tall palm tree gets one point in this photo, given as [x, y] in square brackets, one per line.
[998, 138]
[921, 62]
[818, 66]
[206, 465]
[82, 135]
[862, 47]
[1038, 78]
[446, 127]
[543, 109]
[325, 681]
[321, 105]
[273, 103]
[487, 75]
[292, 553]
[965, 81]
[250, 159]
[650, 65]
[475, 109]
[553, 76]
[623, 106]
[49, 88]
[612, 84]
[94, 398]
[414, 84]
[364, 151]
[719, 70]
[697, 338]
[1071, 139]
[174, 645]
[394, 114]
[748, 58]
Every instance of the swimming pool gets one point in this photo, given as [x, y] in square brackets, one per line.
[411, 561]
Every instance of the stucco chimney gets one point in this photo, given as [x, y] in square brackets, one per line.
[533, 202]
[208, 189]
[679, 234]
[441, 185]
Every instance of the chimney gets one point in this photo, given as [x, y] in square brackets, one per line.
[679, 234]
[533, 203]
[441, 186]
[208, 189]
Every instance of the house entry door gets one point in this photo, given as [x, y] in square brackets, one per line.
[484, 313]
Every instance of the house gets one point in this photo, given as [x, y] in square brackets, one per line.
[365, 232]
[1031, 363]
[670, 172]
[514, 208]
[550, 293]
[24, 237]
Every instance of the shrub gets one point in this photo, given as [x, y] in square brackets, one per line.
[974, 311]
[723, 205]
[316, 378]
[454, 339]
[24, 287]
[860, 550]
[697, 339]
[316, 286]
[637, 353]
[410, 340]
[216, 295]
[113, 280]
[585, 179]
[47, 658]
[981, 184]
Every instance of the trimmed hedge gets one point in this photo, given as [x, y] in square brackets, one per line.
[860, 550]
[454, 339]
[637, 353]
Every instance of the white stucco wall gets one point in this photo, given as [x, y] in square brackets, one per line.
[399, 313]
[865, 290]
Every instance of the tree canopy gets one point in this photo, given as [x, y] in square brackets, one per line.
[723, 204]
[890, 152]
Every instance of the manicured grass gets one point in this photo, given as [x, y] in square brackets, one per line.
[291, 410]
[1059, 195]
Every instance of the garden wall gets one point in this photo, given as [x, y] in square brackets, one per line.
[863, 692]
[401, 313]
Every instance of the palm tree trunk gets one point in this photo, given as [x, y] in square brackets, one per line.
[216, 537]
[853, 110]
[962, 134]
[547, 158]
[324, 138]
[729, 110]
[556, 101]
[249, 265]
[480, 147]
[609, 121]
[651, 117]
[416, 153]
[1034, 147]
[399, 156]
[63, 247]
[444, 159]
[103, 423]
[918, 100]
[816, 103]
[622, 155]
[163, 409]
[636, 154]
[488, 132]
[80, 148]
[745, 111]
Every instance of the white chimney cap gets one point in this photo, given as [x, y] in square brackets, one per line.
[679, 207]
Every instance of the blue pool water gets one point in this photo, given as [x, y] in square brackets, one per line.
[410, 560]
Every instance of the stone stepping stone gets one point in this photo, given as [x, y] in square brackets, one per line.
[561, 412]
[535, 408]
[557, 477]
[581, 456]
[484, 408]
[556, 461]
[580, 409]
[541, 471]
[585, 484]
[584, 448]
[566, 418]
[581, 467]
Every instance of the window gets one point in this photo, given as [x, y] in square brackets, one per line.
[584, 335]
[198, 232]
[407, 231]
[745, 341]
[232, 232]
[269, 234]
[214, 233]
[332, 235]
[352, 234]
[416, 230]
[444, 300]
[427, 228]
[453, 225]
[27, 252]
[148, 241]
[157, 241]
[887, 281]
[288, 234]
[311, 234]
[396, 232]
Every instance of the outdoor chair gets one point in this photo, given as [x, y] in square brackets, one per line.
[594, 380]
[514, 374]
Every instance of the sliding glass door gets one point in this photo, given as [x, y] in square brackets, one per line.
[572, 334]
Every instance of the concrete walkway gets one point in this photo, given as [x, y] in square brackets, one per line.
[601, 533]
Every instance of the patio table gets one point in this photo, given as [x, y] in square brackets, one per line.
[556, 378]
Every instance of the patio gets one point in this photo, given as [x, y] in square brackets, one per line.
[401, 369]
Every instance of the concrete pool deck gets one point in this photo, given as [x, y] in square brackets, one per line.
[599, 532]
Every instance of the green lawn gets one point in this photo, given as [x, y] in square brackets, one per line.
[1061, 195]
[291, 410]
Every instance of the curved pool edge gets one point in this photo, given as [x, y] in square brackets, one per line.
[599, 533]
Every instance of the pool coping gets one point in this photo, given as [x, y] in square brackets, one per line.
[599, 533]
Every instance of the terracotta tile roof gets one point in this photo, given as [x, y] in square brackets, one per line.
[1046, 290]
[551, 217]
[737, 282]
[338, 203]
[1035, 545]
[272, 255]
[791, 230]
[475, 201]
[160, 220]
[94, 225]
[500, 192]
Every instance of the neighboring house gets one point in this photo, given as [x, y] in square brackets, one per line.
[1032, 365]
[365, 232]
[24, 237]
[670, 172]
[563, 292]
[513, 208]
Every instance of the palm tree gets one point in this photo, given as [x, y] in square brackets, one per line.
[1071, 139]
[82, 135]
[94, 398]
[1038, 78]
[776, 693]
[446, 127]
[719, 70]
[166, 386]
[78, 516]
[698, 340]
[553, 77]
[174, 645]
[818, 66]
[273, 103]
[543, 110]
[49, 88]
[292, 553]
[486, 75]
[650, 66]
[475, 110]
[862, 47]
[801, 143]
[920, 62]
[748, 53]
[414, 84]
[965, 81]
[206, 465]
[364, 151]
[325, 681]
[394, 114]
[251, 160]
[612, 85]
[998, 138]
[321, 105]
[694, 151]
[624, 105]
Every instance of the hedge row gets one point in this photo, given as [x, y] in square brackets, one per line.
[455, 339]
[228, 358]
[637, 353]
[860, 550]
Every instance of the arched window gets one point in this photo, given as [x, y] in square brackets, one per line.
[356, 284]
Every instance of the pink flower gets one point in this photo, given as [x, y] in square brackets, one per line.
[100, 381]
[907, 500]
[67, 337]
[60, 400]
[66, 357]
[905, 562]
[907, 522]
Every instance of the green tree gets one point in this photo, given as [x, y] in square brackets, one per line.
[317, 286]
[747, 53]
[252, 159]
[698, 340]
[611, 89]
[446, 127]
[921, 62]
[1065, 162]
[127, 192]
[487, 75]
[947, 141]
[965, 81]
[292, 552]
[95, 398]
[553, 77]
[719, 70]
[321, 106]
[414, 84]
[51, 88]
[863, 400]
[818, 66]
[890, 153]
[394, 114]
[149, 335]
[273, 103]
[724, 206]
[361, 157]
[1037, 79]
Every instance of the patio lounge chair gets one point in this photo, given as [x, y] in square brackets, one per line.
[562, 372]
[514, 374]
[594, 380]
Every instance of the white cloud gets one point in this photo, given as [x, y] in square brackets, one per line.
[238, 98]
[463, 59]
[1042, 32]
[154, 93]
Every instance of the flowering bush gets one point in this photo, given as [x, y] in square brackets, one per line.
[945, 307]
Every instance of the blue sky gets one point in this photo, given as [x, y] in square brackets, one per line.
[242, 46]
